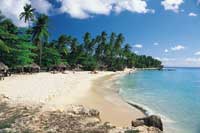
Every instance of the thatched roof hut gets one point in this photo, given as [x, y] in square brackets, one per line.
[78, 67]
[60, 67]
[34, 66]
[3, 67]
[103, 67]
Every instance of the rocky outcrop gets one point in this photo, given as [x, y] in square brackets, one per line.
[150, 121]
[73, 119]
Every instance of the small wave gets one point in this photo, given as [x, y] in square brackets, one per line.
[117, 82]
[147, 111]
[166, 119]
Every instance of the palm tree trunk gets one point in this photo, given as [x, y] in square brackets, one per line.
[28, 24]
[40, 60]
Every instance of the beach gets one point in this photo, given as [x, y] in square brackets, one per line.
[57, 91]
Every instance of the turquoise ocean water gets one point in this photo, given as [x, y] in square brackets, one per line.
[173, 95]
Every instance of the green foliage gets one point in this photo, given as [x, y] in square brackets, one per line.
[23, 52]
[89, 63]
[4, 47]
[40, 34]
[20, 47]
[51, 57]
[28, 14]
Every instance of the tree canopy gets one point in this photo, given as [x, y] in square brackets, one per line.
[22, 46]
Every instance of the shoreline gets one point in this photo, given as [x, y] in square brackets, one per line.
[57, 91]
[142, 109]
[113, 108]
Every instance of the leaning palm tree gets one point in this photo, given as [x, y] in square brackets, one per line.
[27, 14]
[4, 47]
[40, 33]
[89, 43]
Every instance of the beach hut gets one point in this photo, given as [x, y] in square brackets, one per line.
[102, 67]
[78, 67]
[32, 68]
[3, 67]
[3, 70]
[60, 67]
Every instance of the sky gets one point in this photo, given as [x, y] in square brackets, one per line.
[168, 30]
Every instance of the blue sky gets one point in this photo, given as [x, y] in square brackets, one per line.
[165, 29]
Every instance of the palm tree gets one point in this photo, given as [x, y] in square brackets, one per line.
[127, 48]
[127, 54]
[118, 43]
[40, 33]
[89, 43]
[28, 14]
[63, 43]
[4, 47]
[102, 40]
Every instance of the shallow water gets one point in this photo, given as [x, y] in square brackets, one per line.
[174, 95]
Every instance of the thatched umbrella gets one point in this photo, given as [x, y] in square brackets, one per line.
[103, 67]
[3, 70]
[78, 67]
[60, 67]
[3, 67]
[33, 67]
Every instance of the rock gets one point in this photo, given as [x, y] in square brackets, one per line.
[73, 119]
[146, 129]
[150, 121]
[94, 113]
[137, 123]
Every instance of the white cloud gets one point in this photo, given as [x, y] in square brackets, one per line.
[158, 58]
[197, 53]
[12, 8]
[136, 52]
[195, 62]
[81, 10]
[168, 59]
[156, 44]
[166, 50]
[177, 48]
[192, 60]
[192, 14]
[41, 6]
[138, 6]
[172, 5]
[138, 46]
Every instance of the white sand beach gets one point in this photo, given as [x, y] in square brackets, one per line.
[56, 91]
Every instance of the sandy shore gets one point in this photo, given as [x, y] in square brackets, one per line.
[105, 98]
[56, 91]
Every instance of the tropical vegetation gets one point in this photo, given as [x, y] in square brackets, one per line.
[22, 46]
